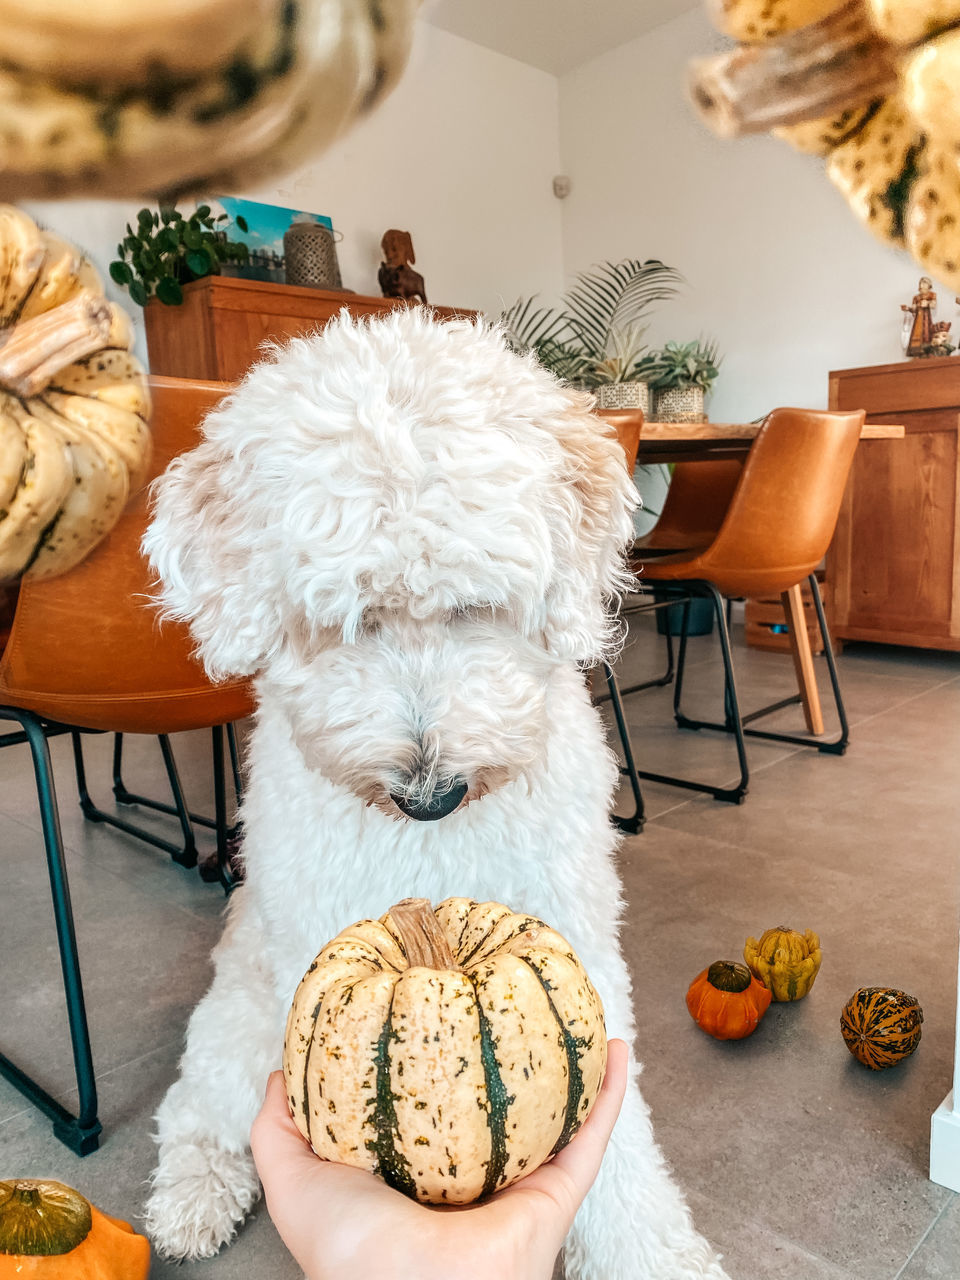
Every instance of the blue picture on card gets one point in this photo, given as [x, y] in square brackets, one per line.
[260, 227]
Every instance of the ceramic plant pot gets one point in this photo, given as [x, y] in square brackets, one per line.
[680, 404]
[624, 395]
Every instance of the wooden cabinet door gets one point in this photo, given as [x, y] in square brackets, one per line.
[894, 565]
[896, 540]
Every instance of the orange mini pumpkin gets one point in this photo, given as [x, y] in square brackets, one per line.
[51, 1232]
[727, 1001]
[881, 1026]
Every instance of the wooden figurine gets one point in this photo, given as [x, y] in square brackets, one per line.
[922, 308]
[397, 279]
[940, 343]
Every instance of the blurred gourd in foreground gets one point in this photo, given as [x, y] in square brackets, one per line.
[872, 86]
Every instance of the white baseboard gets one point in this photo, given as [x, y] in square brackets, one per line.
[945, 1145]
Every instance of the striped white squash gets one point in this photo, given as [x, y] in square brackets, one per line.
[449, 1051]
[74, 405]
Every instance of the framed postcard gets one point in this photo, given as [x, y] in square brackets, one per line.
[260, 227]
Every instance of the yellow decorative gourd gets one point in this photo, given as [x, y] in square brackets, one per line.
[786, 962]
[74, 405]
[870, 85]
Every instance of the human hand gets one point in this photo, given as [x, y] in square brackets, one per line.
[342, 1222]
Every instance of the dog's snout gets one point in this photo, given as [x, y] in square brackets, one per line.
[436, 805]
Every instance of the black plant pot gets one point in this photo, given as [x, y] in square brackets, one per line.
[700, 622]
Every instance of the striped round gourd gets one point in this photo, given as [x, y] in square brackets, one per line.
[881, 1026]
[449, 1051]
[124, 99]
[869, 86]
[74, 406]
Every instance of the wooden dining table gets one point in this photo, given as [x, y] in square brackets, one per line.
[646, 442]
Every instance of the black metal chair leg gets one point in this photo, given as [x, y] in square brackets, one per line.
[681, 661]
[634, 824]
[735, 794]
[226, 874]
[184, 854]
[840, 745]
[836, 746]
[731, 702]
[235, 761]
[81, 1132]
[656, 682]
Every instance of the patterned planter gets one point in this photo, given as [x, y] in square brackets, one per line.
[680, 404]
[624, 395]
[310, 251]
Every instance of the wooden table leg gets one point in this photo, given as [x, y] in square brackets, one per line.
[803, 658]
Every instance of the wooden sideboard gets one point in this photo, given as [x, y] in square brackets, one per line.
[894, 564]
[215, 336]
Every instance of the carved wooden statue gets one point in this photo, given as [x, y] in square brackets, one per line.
[922, 309]
[397, 279]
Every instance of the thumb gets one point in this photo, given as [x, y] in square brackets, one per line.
[275, 1140]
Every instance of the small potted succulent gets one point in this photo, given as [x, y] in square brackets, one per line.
[681, 374]
[596, 339]
[167, 250]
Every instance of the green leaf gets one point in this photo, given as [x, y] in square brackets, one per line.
[242, 222]
[138, 293]
[169, 291]
[145, 220]
[120, 273]
[198, 262]
[192, 236]
[203, 211]
[167, 240]
[168, 212]
[148, 258]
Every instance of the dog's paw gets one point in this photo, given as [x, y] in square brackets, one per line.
[200, 1196]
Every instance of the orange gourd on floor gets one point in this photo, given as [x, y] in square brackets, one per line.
[727, 1001]
[881, 1026]
[49, 1231]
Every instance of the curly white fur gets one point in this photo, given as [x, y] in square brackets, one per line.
[412, 536]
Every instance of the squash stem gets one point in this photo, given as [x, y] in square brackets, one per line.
[424, 942]
[727, 975]
[34, 351]
[822, 69]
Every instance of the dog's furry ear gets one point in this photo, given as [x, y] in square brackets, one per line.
[593, 528]
[196, 546]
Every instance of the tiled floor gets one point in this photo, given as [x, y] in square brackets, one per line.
[799, 1164]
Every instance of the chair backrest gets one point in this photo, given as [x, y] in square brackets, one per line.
[784, 510]
[695, 505]
[627, 424]
[87, 649]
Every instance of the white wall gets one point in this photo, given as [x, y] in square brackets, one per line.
[779, 270]
[461, 155]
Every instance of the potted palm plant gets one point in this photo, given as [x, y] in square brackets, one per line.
[596, 339]
[681, 374]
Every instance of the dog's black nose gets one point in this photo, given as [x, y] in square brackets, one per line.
[436, 806]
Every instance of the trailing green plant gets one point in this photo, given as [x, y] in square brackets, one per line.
[598, 334]
[687, 364]
[167, 250]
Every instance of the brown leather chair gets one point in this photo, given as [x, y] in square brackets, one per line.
[776, 531]
[628, 424]
[86, 652]
[693, 511]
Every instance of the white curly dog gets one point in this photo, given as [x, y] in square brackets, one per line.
[411, 536]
